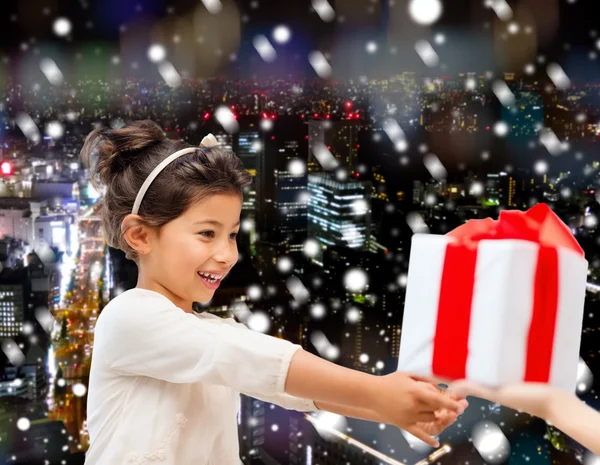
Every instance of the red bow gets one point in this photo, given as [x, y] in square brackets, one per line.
[539, 224]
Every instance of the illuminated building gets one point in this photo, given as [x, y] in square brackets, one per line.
[454, 192]
[341, 137]
[248, 150]
[339, 212]
[291, 199]
[55, 231]
[379, 185]
[17, 218]
[225, 141]
[12, 309]
[249, 146]
[418, 192]
[251, 425]
[500, 189]
[28, 380]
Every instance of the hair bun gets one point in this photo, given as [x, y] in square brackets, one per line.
[117, 149]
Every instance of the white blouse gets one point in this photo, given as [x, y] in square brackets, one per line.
[165, 385]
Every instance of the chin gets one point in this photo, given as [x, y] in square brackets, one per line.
[204, 298]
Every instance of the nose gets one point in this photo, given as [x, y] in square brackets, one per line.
[227, 253]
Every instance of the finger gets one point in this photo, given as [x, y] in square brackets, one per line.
[425, 379]
[445, 418]
[433, 429]
[462, 406]
[436, 427]
[428, 386]
[426, 417]
[419, 433]
[453, 395]
[437, 401]
[466, 388]
[448, 393]
[462, 402]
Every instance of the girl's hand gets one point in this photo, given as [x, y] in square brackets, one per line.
[416, 406]
[443, 416]
[533, 398]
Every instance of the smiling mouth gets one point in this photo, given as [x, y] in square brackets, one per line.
[210, 278]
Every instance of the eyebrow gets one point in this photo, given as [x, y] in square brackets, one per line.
[213, 222]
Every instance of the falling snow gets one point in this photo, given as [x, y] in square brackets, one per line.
[324, 10]
[62, 27]
[264, 48]
[427, 53]
[320, 64]
[356, 280]
[425, 12]
[226, 119]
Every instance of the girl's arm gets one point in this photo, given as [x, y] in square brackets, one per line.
[563, 409]
[306, 405]
[575, 419]
[395, 399]
[349, 411]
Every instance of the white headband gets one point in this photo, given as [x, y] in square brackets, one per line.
[208, 141]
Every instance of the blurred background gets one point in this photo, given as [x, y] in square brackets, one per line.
[362, 122]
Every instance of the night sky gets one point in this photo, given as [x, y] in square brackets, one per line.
[564, 32]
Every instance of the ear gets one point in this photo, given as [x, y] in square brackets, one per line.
[137, 234]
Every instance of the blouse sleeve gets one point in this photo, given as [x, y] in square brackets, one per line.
[151, 338]
[282, 399]
[287, 401]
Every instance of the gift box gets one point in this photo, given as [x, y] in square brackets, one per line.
[496, 302]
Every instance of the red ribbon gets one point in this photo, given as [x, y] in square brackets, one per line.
[540, 225]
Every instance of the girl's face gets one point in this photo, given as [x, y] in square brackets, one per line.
[193, 253]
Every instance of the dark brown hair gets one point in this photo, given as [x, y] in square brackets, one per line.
[121, 160]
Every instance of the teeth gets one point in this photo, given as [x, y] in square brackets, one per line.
[210, 277]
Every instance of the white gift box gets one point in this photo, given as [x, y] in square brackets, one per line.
[501, 312]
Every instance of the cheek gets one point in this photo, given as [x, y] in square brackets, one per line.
[197, 253]
[184, 252]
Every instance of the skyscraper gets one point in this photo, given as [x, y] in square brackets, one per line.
[418, 192]
[248, 149]
[225, 141]
[291, 197]
[12, 311]
[500, 189]
[339, 212]
[251, 421]
[341, 137]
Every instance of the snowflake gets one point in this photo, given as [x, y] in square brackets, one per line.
[320, 64]
[356, 280]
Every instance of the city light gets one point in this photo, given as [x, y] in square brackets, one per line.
[6, 168]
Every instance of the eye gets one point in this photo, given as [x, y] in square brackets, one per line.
[233, 235]
[209, 234]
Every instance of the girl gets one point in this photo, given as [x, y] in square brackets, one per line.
[165, 382]
[560, 408]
